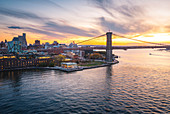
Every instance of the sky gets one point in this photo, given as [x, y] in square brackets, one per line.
[66, 21]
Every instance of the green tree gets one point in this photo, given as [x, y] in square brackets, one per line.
[58, 59]
[43, 65]
[95, 56]
[51, 64]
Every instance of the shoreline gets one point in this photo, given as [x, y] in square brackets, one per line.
[62, 69]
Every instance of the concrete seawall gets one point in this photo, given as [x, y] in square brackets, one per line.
[62, 69]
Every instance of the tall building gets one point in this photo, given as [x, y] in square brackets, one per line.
[37, 42]
[22, 39]
[6, 41]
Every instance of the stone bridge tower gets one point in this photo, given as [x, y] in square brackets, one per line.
[109, 47]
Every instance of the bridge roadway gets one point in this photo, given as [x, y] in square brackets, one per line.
[102, 47]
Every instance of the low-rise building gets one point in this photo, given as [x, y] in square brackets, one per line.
[69, 65]
[37, 42]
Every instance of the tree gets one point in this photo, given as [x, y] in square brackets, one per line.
[60, 57]
[95, 56]
[51, 64]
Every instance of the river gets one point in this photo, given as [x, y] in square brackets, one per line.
[140, 83]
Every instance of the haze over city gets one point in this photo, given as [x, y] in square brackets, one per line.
[78, 20]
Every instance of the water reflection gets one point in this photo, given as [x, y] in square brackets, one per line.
[108, 83]
[13, 76]
[138, 86]
[109, 71]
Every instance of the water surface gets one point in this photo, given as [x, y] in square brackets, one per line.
[140, 83]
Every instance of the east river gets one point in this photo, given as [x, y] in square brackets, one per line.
[140, 83]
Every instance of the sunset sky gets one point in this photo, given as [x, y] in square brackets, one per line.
[76, 20]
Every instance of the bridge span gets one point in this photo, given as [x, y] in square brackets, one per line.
[103, 47]
[108, 46]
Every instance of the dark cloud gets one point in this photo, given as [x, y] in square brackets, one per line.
[15, 27]
[133, 27]
[30, 3]
[129, 16]
[52, 3]
[130, 11]
[52, 26]
[35, 30]
[18, 14]
[121, 7]
[48, 27]
[108, 25]
[105, 5]
[48, 33]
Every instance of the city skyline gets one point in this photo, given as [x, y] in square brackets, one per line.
[76, 20]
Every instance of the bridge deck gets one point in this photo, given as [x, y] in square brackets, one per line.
[104, 47]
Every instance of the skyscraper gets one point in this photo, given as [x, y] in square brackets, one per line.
[22, 39]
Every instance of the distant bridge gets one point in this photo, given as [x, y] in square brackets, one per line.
[101, 47]
[108, 46]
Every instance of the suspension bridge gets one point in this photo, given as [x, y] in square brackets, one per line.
[109, 46]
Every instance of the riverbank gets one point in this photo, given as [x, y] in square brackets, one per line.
[103, 65]
[80, 68]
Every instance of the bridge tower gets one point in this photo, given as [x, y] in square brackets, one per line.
[109, 47]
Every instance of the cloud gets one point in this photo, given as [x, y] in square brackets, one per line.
[35, 30]
[148, 35]
[36, 3]
[123, 28]
[14, 27]
[113, 26]
[105, 5]
[131, 11]
[18, 14]
[129, 16]
[10, 33]
[120, 8]
[167, 28]
[48, 33]
[47, 26]
[52, 3]
[52, 26]
[31, 13]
